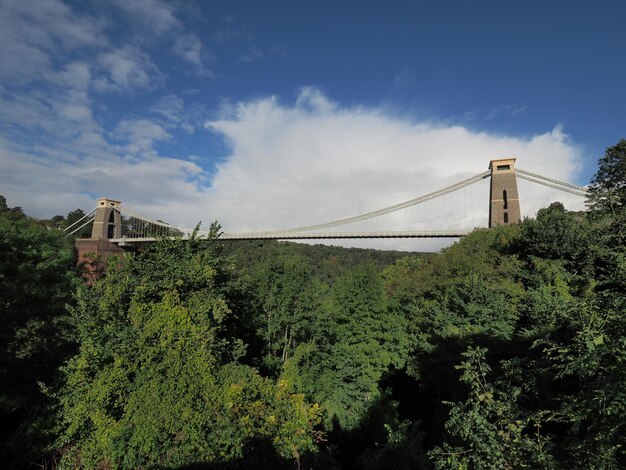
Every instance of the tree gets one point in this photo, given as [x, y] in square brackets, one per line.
[288, 297]
[489, 429]
[608, 187]
[10, 212]
[557, 237]
[471, 288]
[357, 341]
[593, 357]
[607, 199]
[156, 381]
[73, 217]
[36, 282]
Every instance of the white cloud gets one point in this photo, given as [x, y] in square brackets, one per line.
[141, 134]
[73, 110]
[61, 116]
[190, 48]
[156, 15]
[49, 24]
[128, 68]
[50, 185]
[171, 112]
[170, 108]
[313, 99]
[159, 18]
[188, 128]
[33, 33]
[76, 75]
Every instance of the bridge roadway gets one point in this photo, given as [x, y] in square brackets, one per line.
[314, 236]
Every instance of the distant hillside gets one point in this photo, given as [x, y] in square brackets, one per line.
[328, 261]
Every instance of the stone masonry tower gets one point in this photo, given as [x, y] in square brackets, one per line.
[93, 252]
[503, 198]
[107, 223]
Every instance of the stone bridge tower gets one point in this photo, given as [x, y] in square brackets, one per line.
[107, 223]
[93, 252]
[503, 197]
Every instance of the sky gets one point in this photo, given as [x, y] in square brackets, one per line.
[269, 115]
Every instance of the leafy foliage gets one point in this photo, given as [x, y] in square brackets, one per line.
[608, 187]
[326, 262]
[156, 382]
[36, 281]
[288, 299]
[357, 341]
[493, 431]
[607, 199]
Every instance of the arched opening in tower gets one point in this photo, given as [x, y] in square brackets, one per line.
[111, 226]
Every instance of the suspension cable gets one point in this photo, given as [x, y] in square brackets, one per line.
[125, 211]
[82, 218]
[550, 180]
[395, 207]
[85, 224]
[144, 230]
[577, 192]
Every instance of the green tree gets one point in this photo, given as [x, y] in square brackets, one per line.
[607, 193]
[156, 381]
[288, 298]
[73, 217]
[10, 212]
[559, 235]
[489, 431]
[608, 187]
[36, 282]
[358, 340]
[471, 288]
[594, 358]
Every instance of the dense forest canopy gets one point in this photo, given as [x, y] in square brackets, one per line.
[505, 350]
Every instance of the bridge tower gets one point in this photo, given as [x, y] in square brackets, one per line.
[93, 252]
[503, 197]
[107, 223]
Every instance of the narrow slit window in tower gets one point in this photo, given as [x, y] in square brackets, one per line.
[506, 217]
[506, 201]
[111, 227]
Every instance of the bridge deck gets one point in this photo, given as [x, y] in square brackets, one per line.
[316, 236]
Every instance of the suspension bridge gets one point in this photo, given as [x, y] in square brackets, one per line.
[116, 224]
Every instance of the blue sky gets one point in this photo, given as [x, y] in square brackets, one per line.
[226, 110]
